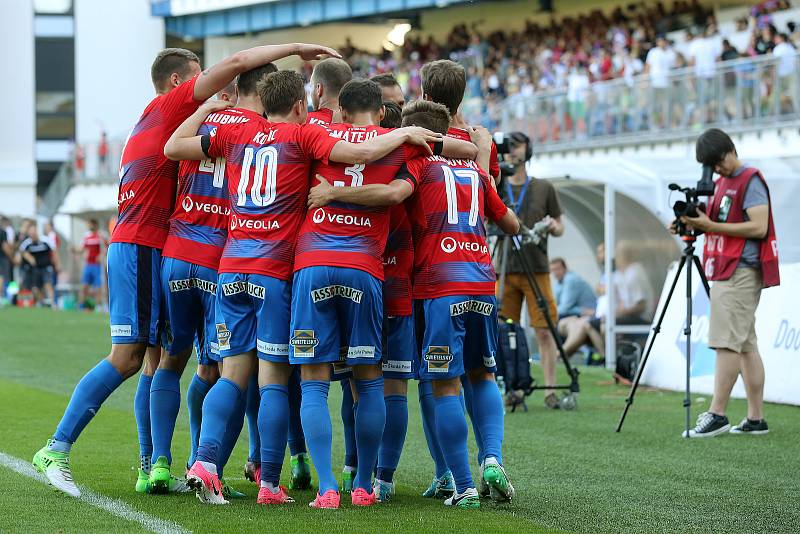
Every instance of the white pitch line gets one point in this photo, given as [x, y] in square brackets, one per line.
[112, 506]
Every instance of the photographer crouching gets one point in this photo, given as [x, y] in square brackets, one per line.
[741, 258]
[536, 205]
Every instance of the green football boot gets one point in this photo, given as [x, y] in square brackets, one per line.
[143, 482]
[468, 499]
[160, 476]
[301, 472]
[229, 492]
[441, 488]
[500, 486]
[55, 466]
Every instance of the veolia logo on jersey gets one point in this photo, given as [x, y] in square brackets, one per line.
[449, 245]
[320, 215]
[189, 205]
[253, 224]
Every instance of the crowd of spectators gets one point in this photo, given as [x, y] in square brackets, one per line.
[29, 262]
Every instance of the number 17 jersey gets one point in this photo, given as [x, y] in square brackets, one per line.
[267, 172]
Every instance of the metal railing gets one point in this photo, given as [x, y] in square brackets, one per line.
[740, 94]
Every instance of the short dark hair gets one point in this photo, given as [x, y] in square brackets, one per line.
[444, 81]
[559, 260]
[360, 95]
[385, 80]
[280, 90]
[426, 114]
[333, 73]
[169, 61]
[247, 81]
[392, 117]
[93, 222]
[712, 146]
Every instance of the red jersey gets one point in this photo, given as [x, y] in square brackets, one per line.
[323, 117]
[349, 235]
[494, 163]
[92, 244]
[267, 172]
[398, 264]
[146, 177]
[447, 210]
[198, 227]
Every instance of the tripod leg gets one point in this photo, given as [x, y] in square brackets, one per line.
[651, 342]
[702, 274]
[687, 400]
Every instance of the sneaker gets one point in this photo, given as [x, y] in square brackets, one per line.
[252, 472]
[468, 499]
[708, 425]
[360, 497]
[229, 492]
[143, 482]
[265, 496]
[441, 488]
[347, 480]
[753, 428]
[383, 490]
[551, 402]
[500, 487]
[55, 466]
[160, 476]
[205, 484]
[301, 472]
[328, 501]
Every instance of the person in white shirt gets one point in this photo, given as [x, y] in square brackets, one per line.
[703, 55]
[660, 61]
[786, 69]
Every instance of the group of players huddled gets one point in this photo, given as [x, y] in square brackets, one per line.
[293, 248]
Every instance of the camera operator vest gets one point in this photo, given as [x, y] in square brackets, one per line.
[723, 252]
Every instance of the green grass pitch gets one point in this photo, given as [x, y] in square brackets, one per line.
[571, 471]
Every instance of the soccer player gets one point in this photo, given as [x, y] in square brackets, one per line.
[390, 89]
[92, 246]
[146, 197]
[454, 278]
[197, 234]
[327, 80]
[268, 161]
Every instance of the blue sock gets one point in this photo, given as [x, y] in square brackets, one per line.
[394, 436]
[198, 389]
[235, 425]
[319, 434]
[297, 440]
[349, 423]
[90, 393]
[222, 402]
[427, 406]
[141, 410]
[370, 421]
[253, 401]
[469, 403]
[165, 403]
[273, 420]
[488, 416]
[451, 427]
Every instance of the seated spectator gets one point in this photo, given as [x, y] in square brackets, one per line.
[574, 296]
[38, 266]
[633, 291]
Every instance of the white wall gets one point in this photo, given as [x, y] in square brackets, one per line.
[115, 43]
[17, 160]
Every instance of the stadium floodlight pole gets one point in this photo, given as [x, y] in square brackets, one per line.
[689, 260]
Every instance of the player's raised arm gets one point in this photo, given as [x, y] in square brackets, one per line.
[483, 141]
[379, 146]
[217, 77]
[389, 194]
[184, 143]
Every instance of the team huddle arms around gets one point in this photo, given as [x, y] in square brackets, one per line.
[290, 249]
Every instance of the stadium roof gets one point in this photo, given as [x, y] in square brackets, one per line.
[204, 18]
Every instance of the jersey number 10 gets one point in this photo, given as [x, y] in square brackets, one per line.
[264, 176]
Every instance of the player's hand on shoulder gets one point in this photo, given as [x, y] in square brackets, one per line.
[416, 135]
[320, 194]
[310, 52]
[480, 137]
[213, 105]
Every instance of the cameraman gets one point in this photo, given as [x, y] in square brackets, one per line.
[534, 201]
[741, 258]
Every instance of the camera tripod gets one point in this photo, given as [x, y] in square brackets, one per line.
[569, 402]
[688, 261]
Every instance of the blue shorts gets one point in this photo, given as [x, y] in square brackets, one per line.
[460, 335]
[134, 293]
[189, 311]
[337, 316]
[91, 275]
[253, 314]
[400, 358]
